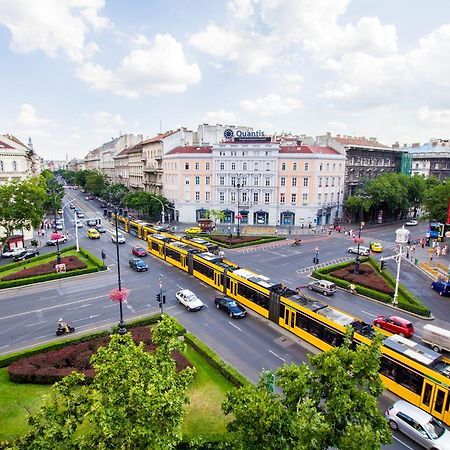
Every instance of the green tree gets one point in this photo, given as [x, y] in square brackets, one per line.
[332, 402]
[135, 401]
[436, 202]
[115, 192]
[416, 188]
[215, 214]
[22, 204]
[95, 182]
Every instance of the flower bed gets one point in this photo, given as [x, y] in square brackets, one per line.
[71, 262]
[52, 366]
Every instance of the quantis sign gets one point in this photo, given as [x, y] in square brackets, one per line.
[245, 136]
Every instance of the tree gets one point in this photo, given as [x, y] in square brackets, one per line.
[416, 187]
[135, 401]
[215, 214]
[22, 204]
[436, 202]
[332, 402]
[95, 182]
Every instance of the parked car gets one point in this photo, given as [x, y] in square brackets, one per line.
[395, 324]
[376, 247]
[87, 197]
[100, 228]
[193, 230]
[59, 225]
[27, 254]
[14, 252]
[120, 238]
[418, 425]
[323, 286]
[80, 214]
[91, 222]
[19, 254]
[139, 251]
[232, 308]
[93, 234]
[138, 265]
[189, 299]
[411, 223]
[60, 240]
[442, 287]
[363, 251]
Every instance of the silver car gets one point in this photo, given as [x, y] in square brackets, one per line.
[420, 426]
[363, 251]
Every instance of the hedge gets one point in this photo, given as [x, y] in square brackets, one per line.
[93, 259]
[214, 360]
[263, 240]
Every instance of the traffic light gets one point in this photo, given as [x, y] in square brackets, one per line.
[164, 299]
[158, 298]
[382, 265]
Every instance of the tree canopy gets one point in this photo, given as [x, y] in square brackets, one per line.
[332, 402]
[436, 202]
[135, 401]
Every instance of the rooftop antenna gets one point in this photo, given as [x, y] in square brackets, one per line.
[160, 126]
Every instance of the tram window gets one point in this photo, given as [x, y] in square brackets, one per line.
[401, 375]
[282, 307]
[332, 338]
[447, 408]
[427, 394]
[253, 295]
[204, 270]
[439, 404]
[155, 246]
[173, 254]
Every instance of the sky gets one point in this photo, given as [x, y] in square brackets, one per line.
[76, 73]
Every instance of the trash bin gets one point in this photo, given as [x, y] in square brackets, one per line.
[416, 261]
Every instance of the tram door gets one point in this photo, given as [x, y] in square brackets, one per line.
[289, 318]
[233, 287]
[434, 398]
[217, 281]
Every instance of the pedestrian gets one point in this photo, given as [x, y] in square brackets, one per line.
[407, 251]
[422, 243]
[67, 233]
[438, 250]
[444, 250]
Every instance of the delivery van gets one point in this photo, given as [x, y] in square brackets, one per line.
[437, 338]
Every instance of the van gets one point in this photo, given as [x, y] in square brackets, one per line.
[323, 286]
[437, 338]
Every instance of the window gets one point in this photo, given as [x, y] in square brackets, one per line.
[244, 181]
[328, 167]
[256, 181]
[326, 197]
[306, 166]
[320, 181]
[294, 181]
[233, 181]
[1, 166]
[326, 181]
[267, 166]
[305, 182]
[244, 166]
[267, 181]
[187, 181]
[282, 198]
[207, 166]
[319, 199]
[283, 181]
[334, 167]
[233, 197]
[283, 166]
[197, 180]
[255, 197]
[222, 166]
[208, 180]
[197, 166]
[233, 166]
[332, 181]
[207, 196]
[221, 181]
[332, 197]
[221, 197]
[305, 199]
[197, 196]
[256, 166]
[186, 165]
[266, 197]
[293, 198]
[340, 166]
[244, 197]
[321, 167]
[294, 166]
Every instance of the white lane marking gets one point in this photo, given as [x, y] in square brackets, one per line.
[368, 313]
[129, 307]
[278, 356]
[233, 325]
[36, 323]
[401, 442]
[52, 307]
[109, 306]
[78, 307]
[42, 337]
[180, 287]
[87, 318]
[286, 281]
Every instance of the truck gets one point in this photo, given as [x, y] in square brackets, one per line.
[436, 337]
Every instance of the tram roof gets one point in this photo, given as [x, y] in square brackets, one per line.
[412, 350]
[255, 278]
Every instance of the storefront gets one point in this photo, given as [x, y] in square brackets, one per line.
[228, 216]
[287, 218]
[244, 216]
[260, 217]
[200, 214]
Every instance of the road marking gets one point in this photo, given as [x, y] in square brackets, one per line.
[233, 325]
[87, 318]
[286, 281]
[109, 306]
[129, 307]
[279, 357]
[52, 307]
[78, 307]
[36, 323]
[368, 313]
[401, 442]
[180, 287]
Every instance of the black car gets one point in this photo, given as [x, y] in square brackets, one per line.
[100, 228]
[230, 306]
[138, 265]
[27, 254]
[91, 223]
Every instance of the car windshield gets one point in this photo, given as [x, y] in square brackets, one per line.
[191, 298]
[435, 429]
[139, 249]
[232, 304]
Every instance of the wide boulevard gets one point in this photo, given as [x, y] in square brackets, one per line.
[29, 314]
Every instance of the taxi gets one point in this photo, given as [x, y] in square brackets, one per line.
[93, 233]
[193, 230]
[376, 247]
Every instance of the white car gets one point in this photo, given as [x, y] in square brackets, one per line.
[13, 253]
[79, 224]
[363, 251]
[189, 299]
[61, 240]
[411, 223]
[120, 238]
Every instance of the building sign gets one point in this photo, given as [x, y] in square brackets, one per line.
[243, 136]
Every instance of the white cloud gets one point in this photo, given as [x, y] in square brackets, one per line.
[271, 104]
[140, 40]
[240, 9]
[52, 26]
[28, 117]
[161, 68]
[105, 124]
[221, 116]
[434, 117]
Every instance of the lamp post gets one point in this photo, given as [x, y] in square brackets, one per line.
[361, 224]
[238, 187]
[162, 209]
[58, 253]
[401, 238]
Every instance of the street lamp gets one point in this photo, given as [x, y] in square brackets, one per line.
[238, 187]
[58, 253]
[361, 224]
[162, 208]
[401, 238]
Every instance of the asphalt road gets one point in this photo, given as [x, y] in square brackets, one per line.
[28, 315]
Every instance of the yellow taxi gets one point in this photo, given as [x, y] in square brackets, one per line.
[193, 230]
[376, 247]
[93, 234]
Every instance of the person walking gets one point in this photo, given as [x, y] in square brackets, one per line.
[422, 243]
[444, 250]
[438, 250]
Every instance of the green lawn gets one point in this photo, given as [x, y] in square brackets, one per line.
[203, 416]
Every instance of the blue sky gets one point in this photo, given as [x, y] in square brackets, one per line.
[77, 72]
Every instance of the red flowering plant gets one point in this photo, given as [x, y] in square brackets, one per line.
[119, 295]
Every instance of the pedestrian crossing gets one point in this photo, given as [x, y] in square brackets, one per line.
[308, 269]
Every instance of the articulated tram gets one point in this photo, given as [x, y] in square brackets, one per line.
[410, 370]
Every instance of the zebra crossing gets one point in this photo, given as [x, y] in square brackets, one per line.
[308, 269]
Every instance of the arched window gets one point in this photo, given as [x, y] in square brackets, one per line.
[14, 166]
[186, 165]
[233, 166]
[244, 166]
[1, 166]
[294, 166]
[283, 166]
